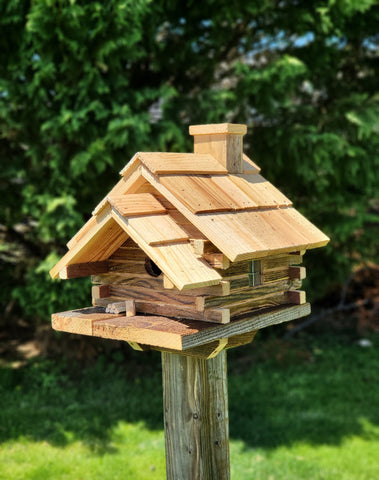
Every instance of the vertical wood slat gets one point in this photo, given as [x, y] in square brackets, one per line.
[195, 401]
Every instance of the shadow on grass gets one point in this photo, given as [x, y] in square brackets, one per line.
[318, 398]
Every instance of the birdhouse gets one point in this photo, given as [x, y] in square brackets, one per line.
[190, 252]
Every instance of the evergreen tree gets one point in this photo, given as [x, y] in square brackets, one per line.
[84, 85]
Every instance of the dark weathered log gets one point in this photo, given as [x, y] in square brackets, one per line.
[77, 270]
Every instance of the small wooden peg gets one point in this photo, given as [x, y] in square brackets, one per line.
[130, 308]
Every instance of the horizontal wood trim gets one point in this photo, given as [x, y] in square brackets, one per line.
[150, 295]
[77, 270]
[127, 266]
[168, 310]
[250, 294]
[258, 304]
[146, 281]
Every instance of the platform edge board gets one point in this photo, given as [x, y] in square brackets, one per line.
[257, 322]
[206, 333]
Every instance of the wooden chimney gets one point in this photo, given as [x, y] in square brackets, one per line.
[221, 140]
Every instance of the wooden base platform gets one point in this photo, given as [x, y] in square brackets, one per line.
[168, 334]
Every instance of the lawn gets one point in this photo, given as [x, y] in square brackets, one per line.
[307, 409]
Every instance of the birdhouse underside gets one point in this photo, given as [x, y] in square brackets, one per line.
[186, 255]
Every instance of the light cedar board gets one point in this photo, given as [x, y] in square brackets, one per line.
[232, 191]
[232, 236]
[227, 149]
[316, 237]
[79, 321]
[261, 191]
[218, 128]
[157, 229]
[188, 163]
[177, 261]
[172, 333]
[199, 194]
[98, 244]
[136, 204]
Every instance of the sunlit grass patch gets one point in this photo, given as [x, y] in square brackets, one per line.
[133, 451]
[297, 412]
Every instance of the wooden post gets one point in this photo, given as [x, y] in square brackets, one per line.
[195, 402]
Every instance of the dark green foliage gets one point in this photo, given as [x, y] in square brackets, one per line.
[79, 82]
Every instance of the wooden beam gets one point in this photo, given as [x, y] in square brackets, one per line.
[201, 246]
[100, 291]
[213, 315]
[130, 307]
[77, 270]
[297, 272]
[217, 260]
[298, 297]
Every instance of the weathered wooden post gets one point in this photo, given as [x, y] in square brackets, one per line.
[191, 254]
[195, 402]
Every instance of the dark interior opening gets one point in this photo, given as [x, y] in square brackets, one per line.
[152, 268]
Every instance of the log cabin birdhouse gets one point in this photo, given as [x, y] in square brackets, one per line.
[190, 252]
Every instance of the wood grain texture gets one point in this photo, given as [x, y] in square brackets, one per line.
[170, 333]
[177, 261]
[217, 128]
[101, 240]
[157, 229]
[195, 402]
[297, 297]
[150, 295]
[215, 315]
[280, 261]
[79, 321]
[297, 272]
[136, 267]
[101, 291]
[136, 204]
[260, 190]
[148, 282]
[249, 294]
[77, 270]
[210, 350]
[242, 234]
[201, 246]
[198, 193]
[217, 260]
[188, 163]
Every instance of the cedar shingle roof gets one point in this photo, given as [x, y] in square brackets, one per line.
[243, 215]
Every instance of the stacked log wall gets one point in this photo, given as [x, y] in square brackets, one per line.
[234, 298]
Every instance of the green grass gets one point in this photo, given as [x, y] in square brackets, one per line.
[304, 410]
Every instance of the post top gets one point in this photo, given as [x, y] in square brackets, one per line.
[217, 128]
